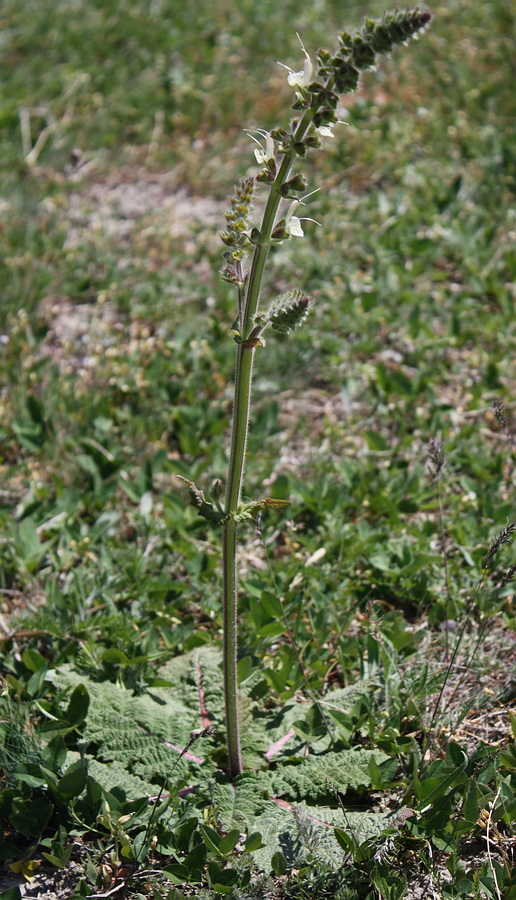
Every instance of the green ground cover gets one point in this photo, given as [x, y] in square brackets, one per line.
[376, 649]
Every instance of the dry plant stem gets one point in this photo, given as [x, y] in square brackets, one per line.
[242, 401]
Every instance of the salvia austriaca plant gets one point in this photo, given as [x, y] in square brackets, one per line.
[317, 90]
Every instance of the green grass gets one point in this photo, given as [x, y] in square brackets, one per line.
[110, 581]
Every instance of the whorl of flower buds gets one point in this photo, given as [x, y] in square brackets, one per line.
[288, 311]
[396, 28]
[339, 73]
[360, 48]
[379, 36]
[237, 218]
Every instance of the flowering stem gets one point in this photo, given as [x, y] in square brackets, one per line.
[339, 73]
[236, 466]
[261, 251]
[241, 408]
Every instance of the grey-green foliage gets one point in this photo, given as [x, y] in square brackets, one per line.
[298, 830]
[277, 804]
[126, 735]
[115, 775]
[125, 743]
[317, 778]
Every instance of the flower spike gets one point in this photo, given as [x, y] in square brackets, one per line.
[317, 91]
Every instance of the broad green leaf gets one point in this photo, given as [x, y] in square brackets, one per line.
[375, 441]
[229, 842]
[30, 774]
[73, 781]
[345, 840]
[508, 757]
[244, 668]
[32, 821]
[113, 656]
[272, 629]
[78, 705]
[279, 863]
[34, 660]
[59, 861]
[226, 881]
[140, 846]
[195, 860]
[54, 754]
[177, 873]
[470, 808]
[253, 842]
[211, 838]
[272, 605]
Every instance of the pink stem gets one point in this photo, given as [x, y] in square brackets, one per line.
[183, 752]
[278, 745]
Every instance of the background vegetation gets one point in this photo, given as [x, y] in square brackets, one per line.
[370, 623]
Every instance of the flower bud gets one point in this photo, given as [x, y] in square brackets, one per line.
[229, 275]
[395, 28]
[363, 53]
[327, 98]
[313, 142]
[280, 232]
[286, 143]
[346, 38]
[297, 183]
[279, 134]
[324, 117]
[346, 77]
[302, 102]
[237, 215]
[323, 56]
[216, 491]
[265, 177]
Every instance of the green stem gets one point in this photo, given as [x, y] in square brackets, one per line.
[230, 650]
[261, 251]
[242, 403]
[241, 409]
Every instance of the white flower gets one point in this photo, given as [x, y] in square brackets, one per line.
[263, 154]
[293, 223]
[300, 79]
[293, 226]
[324, 131]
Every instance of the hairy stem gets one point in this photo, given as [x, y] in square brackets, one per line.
[230, 650]
[243, 377]
[242, 403]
